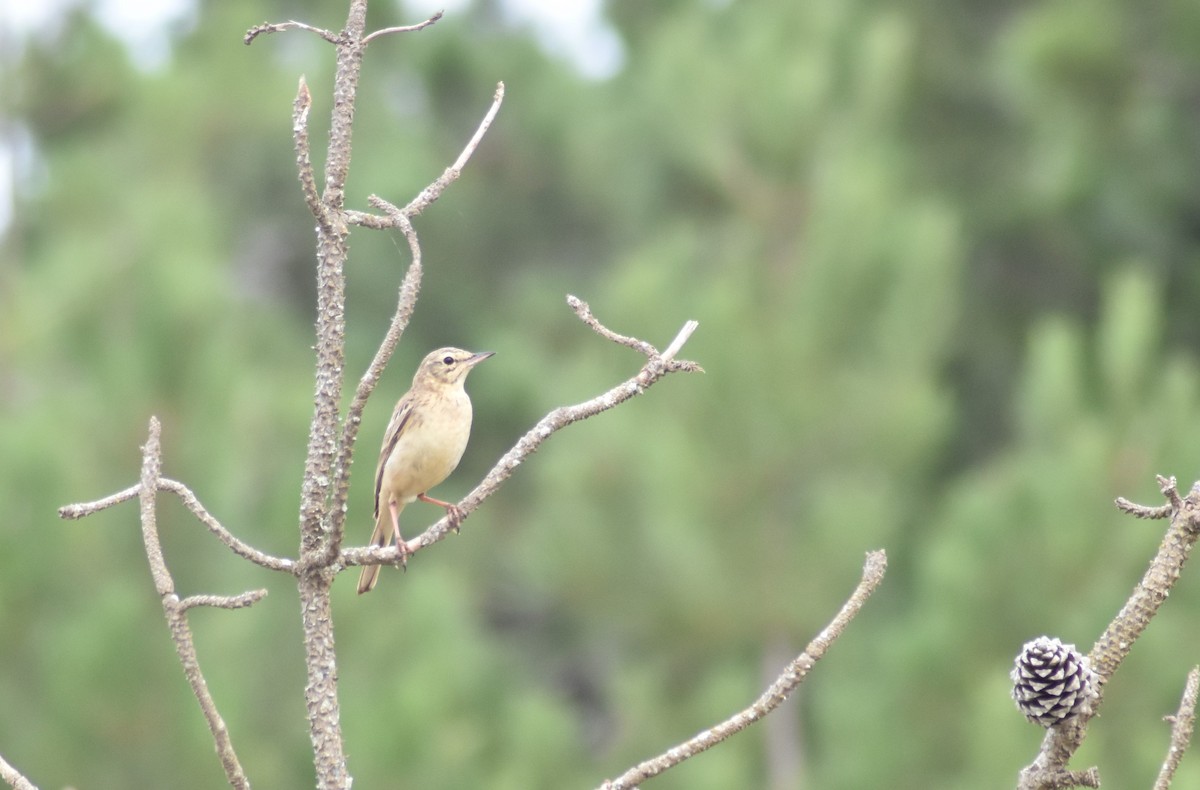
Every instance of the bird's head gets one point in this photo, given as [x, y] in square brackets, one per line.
[448, 366]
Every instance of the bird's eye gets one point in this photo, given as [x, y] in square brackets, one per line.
[448, 360]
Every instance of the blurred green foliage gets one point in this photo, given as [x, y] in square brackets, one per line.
[944, 258]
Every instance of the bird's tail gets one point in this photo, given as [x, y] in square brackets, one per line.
[380, 537]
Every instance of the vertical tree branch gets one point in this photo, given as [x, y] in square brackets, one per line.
[1049, 768]
[316, 545]
[175, 610]
[1182, 725]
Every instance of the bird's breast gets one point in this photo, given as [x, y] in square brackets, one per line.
[431, 445]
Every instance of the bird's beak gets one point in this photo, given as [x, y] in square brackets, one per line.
[475, 359]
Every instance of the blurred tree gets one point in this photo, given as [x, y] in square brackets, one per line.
[943, 259]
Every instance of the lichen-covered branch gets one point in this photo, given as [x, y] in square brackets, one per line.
[176, 611]
[791, 677]
[1049, 768]
[1182, 725]
[14, 778]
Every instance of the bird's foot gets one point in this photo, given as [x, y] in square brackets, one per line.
[455, 514]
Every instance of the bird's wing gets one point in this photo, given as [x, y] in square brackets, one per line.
[400, 417]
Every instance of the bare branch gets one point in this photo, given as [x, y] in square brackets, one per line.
[82, 509]
[584, 312]
[248, 598]
[1142, 511]
[236, 545]
[1182, 725]
[654, 369]
[304, 168]
[473, 143]
[291, 24]
[14, 778]
[791, 677]
[1117, 640]
[680, 339]
[1049, 768]
[181, 633]
[404, 29]
[432, 192]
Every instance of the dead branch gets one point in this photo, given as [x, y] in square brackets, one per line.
[394, 217]
[1182, 725]
[14, 778]
[387, 31]
[1049, 768]
[176, 611]
[235, 544]
[304, 168]
[791, 677]
[279, 27]
[657, 366]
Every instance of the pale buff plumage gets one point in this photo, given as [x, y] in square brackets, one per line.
[424, 441]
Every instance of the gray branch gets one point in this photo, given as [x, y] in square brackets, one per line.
[1049, 768]
[775, 695]
[1182, 725]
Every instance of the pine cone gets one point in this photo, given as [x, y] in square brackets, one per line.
[1053, 682]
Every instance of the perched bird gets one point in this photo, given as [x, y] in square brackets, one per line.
[423, 443]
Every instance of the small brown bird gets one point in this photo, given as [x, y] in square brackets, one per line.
[424, 441]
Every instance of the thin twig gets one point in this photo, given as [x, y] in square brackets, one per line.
[82, 509]
[402, 29]
[1170, 490]
[291, 24]
[1142, 511]
[1049, 768]
[248, 598]
[584, 312]
[791, 677]
[432, 192]
[469, 150]
[235, 544]
[654, 369]
[680, 339]
[14, 778]
[1182, 724]
[304, 168]
[181, 633]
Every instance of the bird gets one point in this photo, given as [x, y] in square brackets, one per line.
[423, 443]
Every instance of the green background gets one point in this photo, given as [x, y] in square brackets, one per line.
[945, 259]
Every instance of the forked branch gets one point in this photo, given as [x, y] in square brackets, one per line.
[176, 610]
[657, 366]
[1049, 768]
[235, 544]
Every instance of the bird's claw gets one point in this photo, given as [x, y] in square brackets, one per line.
[455, 515]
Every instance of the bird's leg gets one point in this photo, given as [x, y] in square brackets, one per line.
[401, 546]
[452, 511]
